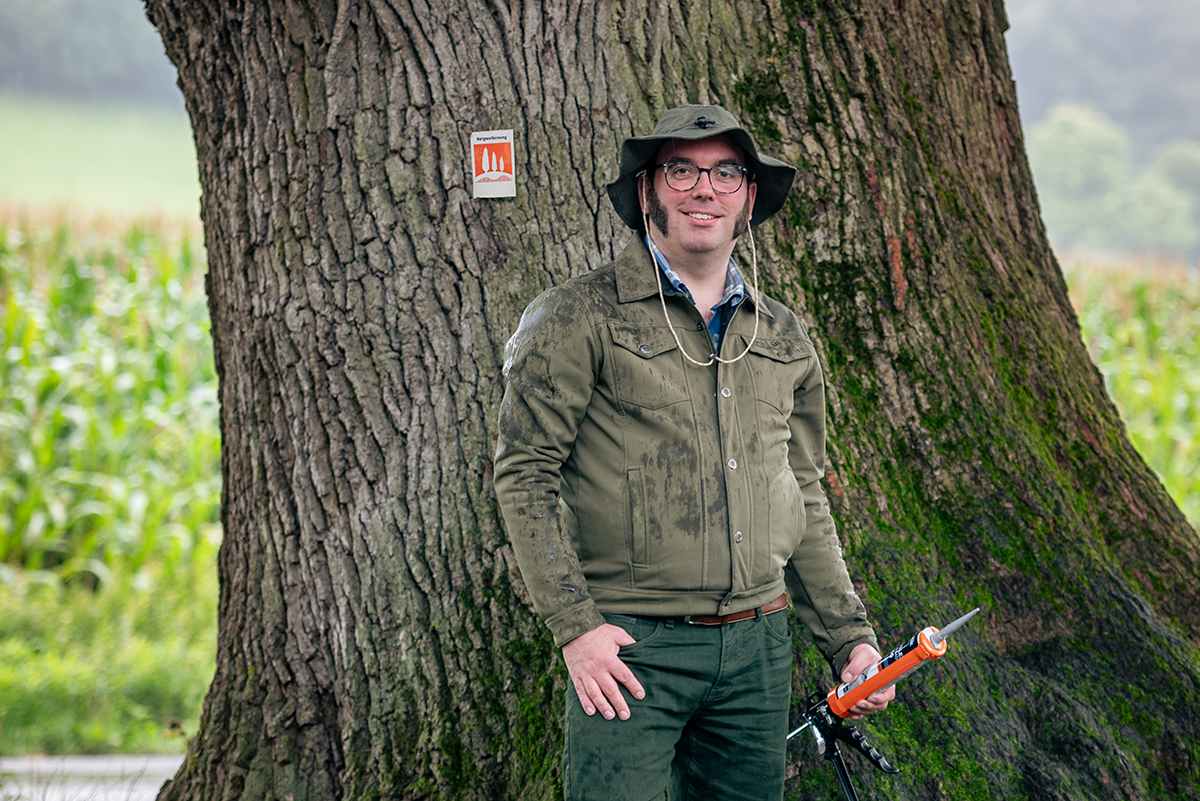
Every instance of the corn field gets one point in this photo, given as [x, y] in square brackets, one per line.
[1141, 323]
[108, 410]
[110, 465]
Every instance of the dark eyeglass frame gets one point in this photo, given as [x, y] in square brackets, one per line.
[742, 171]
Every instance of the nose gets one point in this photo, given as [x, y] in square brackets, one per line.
[699, 189]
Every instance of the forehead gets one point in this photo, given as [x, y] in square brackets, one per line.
[713, 150]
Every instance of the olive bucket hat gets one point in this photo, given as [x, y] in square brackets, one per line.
[774, 178]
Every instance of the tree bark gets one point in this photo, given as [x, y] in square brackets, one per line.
[374, 638]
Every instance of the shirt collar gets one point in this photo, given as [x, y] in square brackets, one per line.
[735, 285]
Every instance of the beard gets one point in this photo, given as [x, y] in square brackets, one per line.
[742, 224]
[658, 214]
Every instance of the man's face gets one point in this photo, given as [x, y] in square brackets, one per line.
[700, 220]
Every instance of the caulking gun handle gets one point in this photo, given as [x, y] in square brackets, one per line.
[854, 737]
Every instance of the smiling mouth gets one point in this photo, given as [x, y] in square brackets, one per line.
[699, 215]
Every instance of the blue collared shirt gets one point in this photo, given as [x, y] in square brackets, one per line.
[735, 293]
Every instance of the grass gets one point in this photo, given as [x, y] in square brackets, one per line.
[1141, 323]
[97, 158]
[120, 670]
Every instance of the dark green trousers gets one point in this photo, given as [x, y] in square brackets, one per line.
[713, 724]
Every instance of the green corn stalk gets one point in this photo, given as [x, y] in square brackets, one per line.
[108, 413]
[1141, 323]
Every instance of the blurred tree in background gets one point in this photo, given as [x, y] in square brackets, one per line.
[1179, 163]
[1094, 196]
[1134, 60]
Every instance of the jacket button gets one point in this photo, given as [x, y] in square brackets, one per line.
[732, 464]
[644, 348]
[726, 392]
[737, 536]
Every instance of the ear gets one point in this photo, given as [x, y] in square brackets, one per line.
[752, 192]
[642, 189]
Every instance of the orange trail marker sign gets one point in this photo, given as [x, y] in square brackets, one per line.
[492, 163]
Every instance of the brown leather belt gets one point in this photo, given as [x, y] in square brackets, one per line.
[778, 605]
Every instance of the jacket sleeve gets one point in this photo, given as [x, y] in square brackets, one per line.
[816, 576]
[550, 369]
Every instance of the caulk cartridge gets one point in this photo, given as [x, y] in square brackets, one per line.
[929, 643]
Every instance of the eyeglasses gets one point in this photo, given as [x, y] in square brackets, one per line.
[682, 176]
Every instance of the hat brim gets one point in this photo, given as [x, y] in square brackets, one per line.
[773, 177]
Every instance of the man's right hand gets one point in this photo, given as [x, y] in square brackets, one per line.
[597, 672]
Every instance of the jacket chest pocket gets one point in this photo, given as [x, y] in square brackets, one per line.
[647, 370]
[778, 366]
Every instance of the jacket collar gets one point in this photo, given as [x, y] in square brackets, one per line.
[636, 279]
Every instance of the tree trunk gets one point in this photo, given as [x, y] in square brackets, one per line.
[374, 637]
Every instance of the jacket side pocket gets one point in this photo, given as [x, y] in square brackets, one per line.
[639, 545]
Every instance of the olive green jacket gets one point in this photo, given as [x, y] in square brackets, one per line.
[633, 481]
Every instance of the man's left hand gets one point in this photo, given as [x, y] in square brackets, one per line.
[861, 658]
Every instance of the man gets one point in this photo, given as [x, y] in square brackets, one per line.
[661, 445]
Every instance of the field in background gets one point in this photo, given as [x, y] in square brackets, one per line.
[97, 159]
[1141, 323]
[119, 670]
[109, 499]
[110, 491]
[108, 406]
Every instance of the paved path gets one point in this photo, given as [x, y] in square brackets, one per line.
[85, 778]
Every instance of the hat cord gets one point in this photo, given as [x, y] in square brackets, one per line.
[663, 300]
